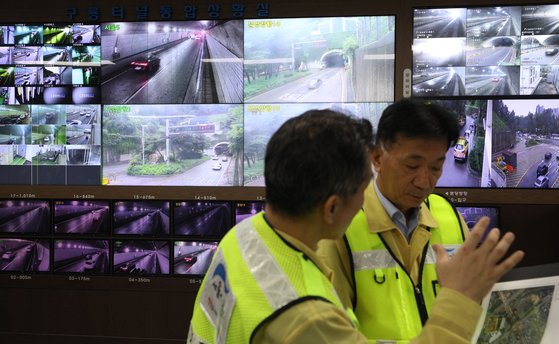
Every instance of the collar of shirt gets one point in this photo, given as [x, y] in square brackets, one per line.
[307, 251]
[399, 219]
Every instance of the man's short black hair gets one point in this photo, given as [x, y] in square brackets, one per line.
[416, 119]
[314, 156]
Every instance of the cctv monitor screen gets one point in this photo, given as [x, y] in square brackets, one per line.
[25, 216]
[135, 257]
[503, 143]
[173, 145]
[24, 255]
[141, 218]
[192, 257]
[312, 60]
[82, 217]
[81, 256]
[472, 214]
[172, 62]
[244, 210]
[208, 219]
[262, 120]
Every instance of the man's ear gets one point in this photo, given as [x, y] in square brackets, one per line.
[375, 156]
[330, 209]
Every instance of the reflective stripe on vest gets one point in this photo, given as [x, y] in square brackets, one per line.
[265, 276]
[387, 307]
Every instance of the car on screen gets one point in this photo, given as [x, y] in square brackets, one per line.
[547, 155]
[89, 264]
[541, 182]
[8, 255]
[542, 170]
[314, 83]
[461, 149]
[216, 166]
[146, 63]
[190, 259]
[551, 52]
[126, 267]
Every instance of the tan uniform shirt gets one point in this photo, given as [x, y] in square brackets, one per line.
[319, 322]
[444, 326]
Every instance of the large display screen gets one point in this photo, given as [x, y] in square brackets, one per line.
[486, 51]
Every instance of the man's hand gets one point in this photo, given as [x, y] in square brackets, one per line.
[475, 267]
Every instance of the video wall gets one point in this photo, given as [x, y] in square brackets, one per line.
[181, 103]
[497, 69]
[152, 238]
[157, 104]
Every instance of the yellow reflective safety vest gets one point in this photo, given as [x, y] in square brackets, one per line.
[389, 307]
[254, 276]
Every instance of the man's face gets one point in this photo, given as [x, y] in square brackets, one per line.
[409, 169]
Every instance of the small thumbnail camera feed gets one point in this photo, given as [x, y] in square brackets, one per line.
[27, 55]
[202, 218]
[439, 22]
[525, 145]
[6, 55]
[14, 114]
[192, 257]
[53, 55]
[28, 75]
[28, 35]
[472, 215]
[7, 34]
[165, 145]
[57, 34]
[87, 53]
[6, 75]
[173, 62]
[244, 210]
[86, 34]
[343, 59]
[24, 255]
[135, 257]
[141, 218]
[81, 256]
[25, 216]
[81, 217]
[57, 75]
[262, 120]
[7, 95]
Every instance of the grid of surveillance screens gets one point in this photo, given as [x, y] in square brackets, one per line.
[181, 103]
[497, 69]
[50, 110]
[157, 238]
[486, 51]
